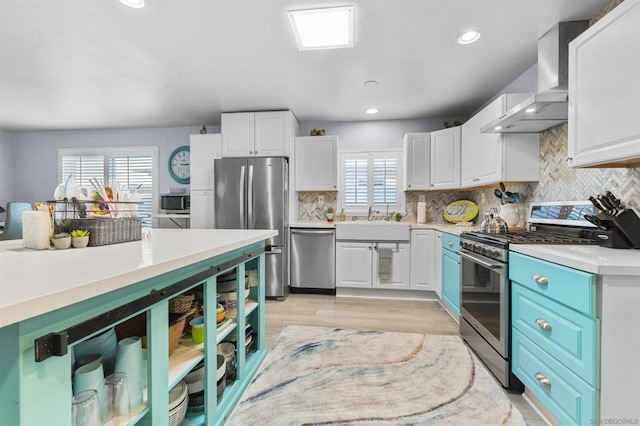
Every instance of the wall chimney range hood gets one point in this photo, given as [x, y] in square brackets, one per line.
[548, 107]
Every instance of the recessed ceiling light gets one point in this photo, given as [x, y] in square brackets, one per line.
[329, 28]
[372, 111]
[497, 128]
[530, 110]
[136, 4]
[370, 83]
[469, 37]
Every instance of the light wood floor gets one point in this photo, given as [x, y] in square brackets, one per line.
[407, 316]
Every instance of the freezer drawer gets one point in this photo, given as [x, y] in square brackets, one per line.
[313, 258]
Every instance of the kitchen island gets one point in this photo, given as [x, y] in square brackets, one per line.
[53, 299]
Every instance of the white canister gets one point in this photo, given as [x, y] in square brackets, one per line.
[35, 230]
[422, 212]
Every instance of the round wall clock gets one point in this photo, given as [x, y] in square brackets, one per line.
[180, 164]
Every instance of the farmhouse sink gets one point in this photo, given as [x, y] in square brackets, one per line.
[373, 231]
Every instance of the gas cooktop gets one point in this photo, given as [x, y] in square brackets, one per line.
[555, 222]
[528, 237]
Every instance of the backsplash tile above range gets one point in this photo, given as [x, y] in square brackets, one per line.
[559, 182]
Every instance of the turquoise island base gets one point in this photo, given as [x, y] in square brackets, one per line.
[54, 299]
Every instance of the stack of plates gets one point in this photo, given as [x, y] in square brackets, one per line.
[195, 383]
[178, 400]
[227, 287]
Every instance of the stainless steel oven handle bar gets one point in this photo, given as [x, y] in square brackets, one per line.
[490, 265]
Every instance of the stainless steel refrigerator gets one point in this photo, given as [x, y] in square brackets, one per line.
[252, 193]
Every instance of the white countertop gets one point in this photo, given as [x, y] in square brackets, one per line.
[593, 259]
[33, 282]
[439, 226]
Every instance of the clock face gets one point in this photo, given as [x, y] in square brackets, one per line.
[180, 164]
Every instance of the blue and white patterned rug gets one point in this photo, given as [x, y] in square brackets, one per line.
[327, 376]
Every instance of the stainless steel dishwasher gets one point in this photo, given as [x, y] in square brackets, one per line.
[313, 259]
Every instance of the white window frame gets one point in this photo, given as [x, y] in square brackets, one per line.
[370, 155]
[151, 151]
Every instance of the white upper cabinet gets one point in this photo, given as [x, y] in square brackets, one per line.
[258, 134]
[316, 163]
[417, 161]
[489, 158]
[604, 91]
[204, 150]
[445, 158]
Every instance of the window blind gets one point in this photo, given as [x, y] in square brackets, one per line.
[370, 177]
[132, 172]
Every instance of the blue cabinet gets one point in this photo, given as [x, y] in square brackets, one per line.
[451, 272]
[556, 337]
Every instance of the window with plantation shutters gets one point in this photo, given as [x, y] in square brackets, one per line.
[370, 177]
[131, 168]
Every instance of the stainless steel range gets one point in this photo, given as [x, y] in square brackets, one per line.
[485, 288]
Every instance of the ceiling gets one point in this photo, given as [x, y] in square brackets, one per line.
[96, 64]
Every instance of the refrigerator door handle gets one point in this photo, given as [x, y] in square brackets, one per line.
[250, 199]
[243, 222]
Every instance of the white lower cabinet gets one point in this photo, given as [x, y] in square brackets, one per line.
[372, 265]
[423, 271]
[353, 264]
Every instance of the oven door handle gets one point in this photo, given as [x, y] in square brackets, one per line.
[490, 265]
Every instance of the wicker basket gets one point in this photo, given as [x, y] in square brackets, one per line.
[104, 231]
[182, 303]
[137, 326]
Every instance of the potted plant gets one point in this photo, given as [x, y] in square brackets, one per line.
[61, 240]
[79, 238]
[396, 216]
[329, 214]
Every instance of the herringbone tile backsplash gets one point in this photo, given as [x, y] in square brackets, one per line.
[557, 182]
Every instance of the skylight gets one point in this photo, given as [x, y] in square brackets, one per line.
[330, 28]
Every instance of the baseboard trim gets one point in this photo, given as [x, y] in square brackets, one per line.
[374, 293]
[537, 406]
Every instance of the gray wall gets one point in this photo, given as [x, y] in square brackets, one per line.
[374, 135]
[35, 165]
[29, 160]
[6, 169]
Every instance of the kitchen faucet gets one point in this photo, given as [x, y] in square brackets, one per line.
[371, 211]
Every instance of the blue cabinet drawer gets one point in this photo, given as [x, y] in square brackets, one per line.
[569, 336]
[571, 400]
[570, 287]
[450, 241]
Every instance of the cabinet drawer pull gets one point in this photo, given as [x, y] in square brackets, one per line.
[540, 279]
[450, 243]
[542, 379]
[543, 324]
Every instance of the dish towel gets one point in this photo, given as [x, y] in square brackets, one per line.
[385, 266]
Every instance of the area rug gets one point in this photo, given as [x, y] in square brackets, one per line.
[327, 376]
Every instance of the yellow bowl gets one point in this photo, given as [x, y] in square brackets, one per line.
[220, 315]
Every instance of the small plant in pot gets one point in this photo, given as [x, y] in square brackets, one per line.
[329, 214]
[396, 216]
[61, 240]
[79, 238]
